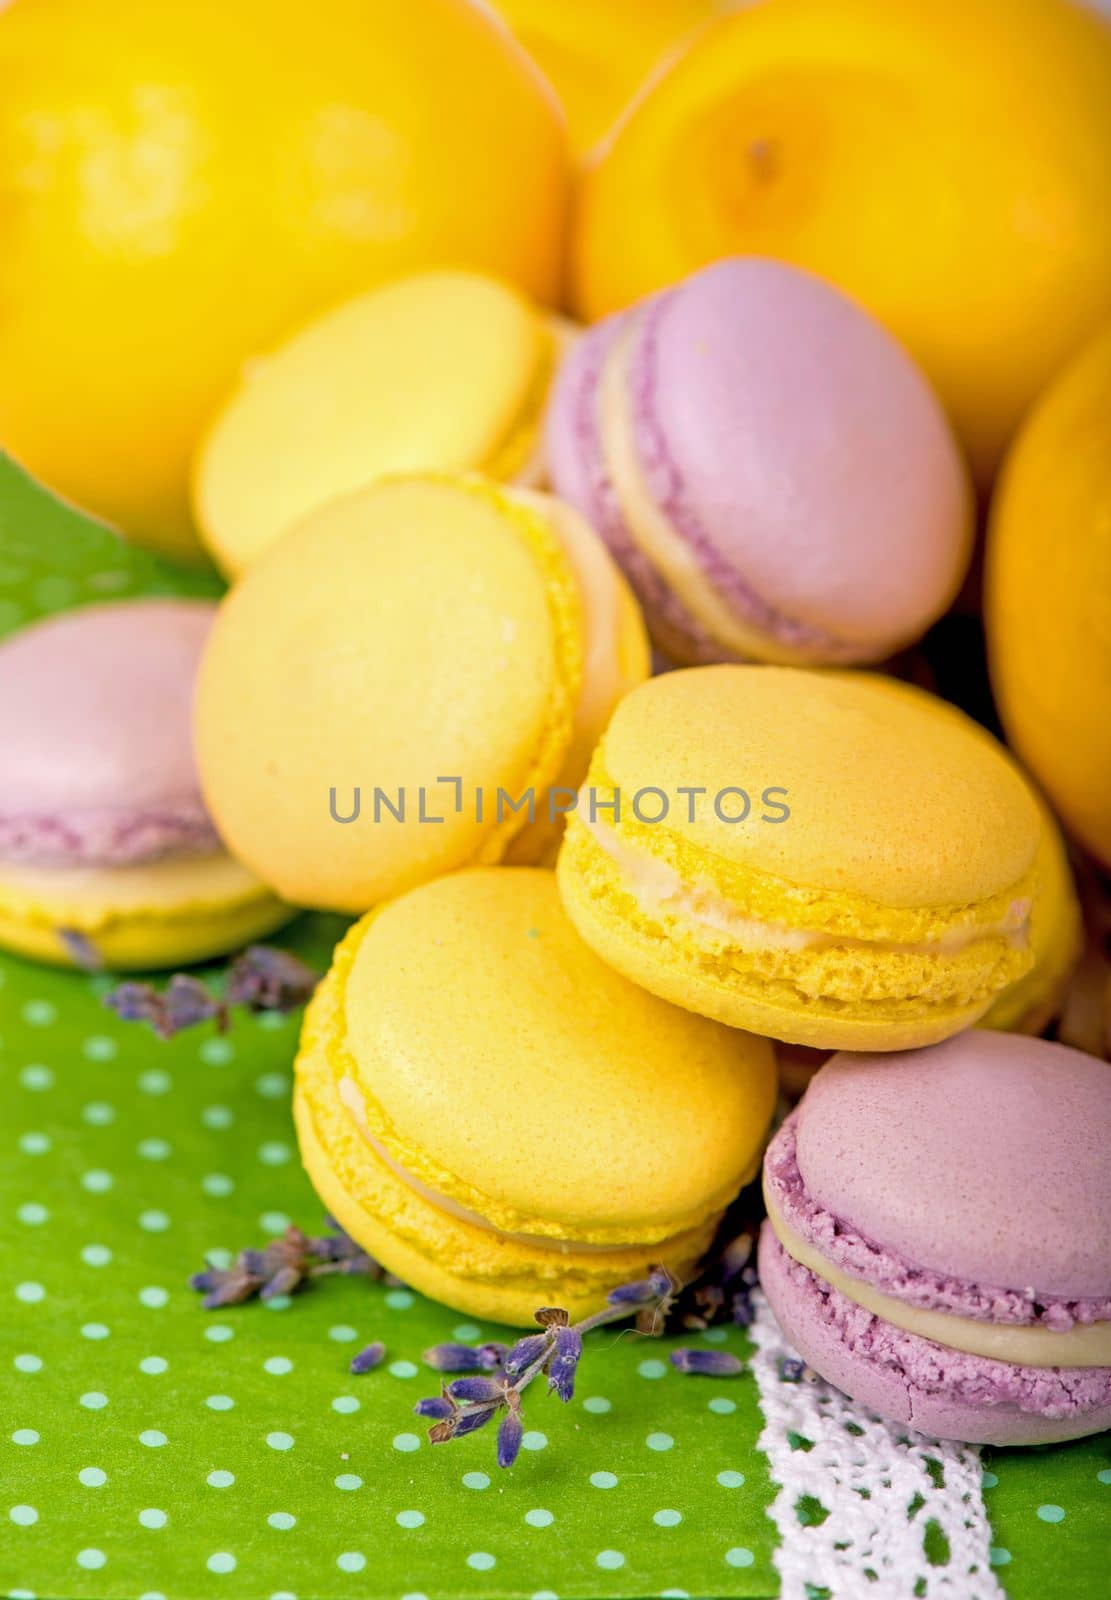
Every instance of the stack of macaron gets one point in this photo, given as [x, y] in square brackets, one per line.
[593, 901]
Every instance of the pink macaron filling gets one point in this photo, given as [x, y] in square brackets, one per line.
[844, 1247]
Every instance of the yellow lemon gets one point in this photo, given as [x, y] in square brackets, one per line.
[181, 184]
[943, 161]
[1048, 595]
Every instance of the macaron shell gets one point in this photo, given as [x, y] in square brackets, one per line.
[442, 371]
[985, 1158]
[156, 914]
[807, 447]
[96, 758]
[873, 1376]
[668, 1110]
[421, 629]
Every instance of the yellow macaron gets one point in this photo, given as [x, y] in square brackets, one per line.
[408, 682]
[875, 894]
[443, 371]
[503, 1120]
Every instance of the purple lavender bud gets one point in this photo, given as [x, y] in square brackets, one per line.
[438, 1407]
[254, 1262]
[561, 1369]
[635, 1294]
[484, 1390]
[525, 1352]
[791, 1369]
[368, 1359]
[471, 1421]
[707, 1363]
[187, 1002]
[510, 1434]
[492, 1355]
[204, 1281]
[266, 979]
[133, 1002]
[456, 1358]
[284, 1281]
[81, 950]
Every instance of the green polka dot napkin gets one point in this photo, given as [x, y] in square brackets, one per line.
[151, 1449]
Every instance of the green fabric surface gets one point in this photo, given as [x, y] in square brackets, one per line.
[151, 1449]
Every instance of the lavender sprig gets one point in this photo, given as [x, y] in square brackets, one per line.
[468, 1403]
[261, 979]
[283, 1266]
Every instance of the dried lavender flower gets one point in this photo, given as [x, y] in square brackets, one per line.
[282, 1266]
[525, 1352]
[368, 1358]
[462, 1358]
[510, 1434]
[263, 978]
[565, 1361]
[182, 1004]
[707, 1363]
[791, 1369]
[81, 950]
[437, 1406]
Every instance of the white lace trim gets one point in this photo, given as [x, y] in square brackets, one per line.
[912, 1483]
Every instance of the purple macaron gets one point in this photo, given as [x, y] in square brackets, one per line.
[770, 468]
[96, 757]
[938, 1242]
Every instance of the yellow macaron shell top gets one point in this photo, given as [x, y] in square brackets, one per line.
[887, 910]
[423, 634]
[442, 371]
[500, 1116]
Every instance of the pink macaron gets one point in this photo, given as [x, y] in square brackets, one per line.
[938, 1242]
[96, 755]
[769, 466]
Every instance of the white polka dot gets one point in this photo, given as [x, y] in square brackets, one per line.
[998, 1556]
[345, 1403]
[279, 1440]
[343, 1333]
[988, 1479]
[739, 1557]
[715, 1335]
[597, 1404]
[539, 1518]
[153, 1221]
[609, 1560]
[272, 1085]
[652, 1369]
[399, 1299]
[674, 1594]
[219, 1333]
[96, 1181]
[282, 1520]
[100, 1047]
[93, 1400]
[273, 1222]
[98, 1113]
[274, 1153]
[221, 1561]
[153, 1438]
[406, 1442]
[277, 1302]
[1051, 1513]
[410, 1519]
[156, 1081]
[92, 1477]
[721, 1406]
[153, 1149]
[40, 1013]
[220, 1479]
[277, 1366]
[481, 1560]
[604, 1480]
[217, 1052]
[219, 1402]
[30, 1293]
[351, 1561]
[217, 1117]
[153, 1366]
[466, 1332]
[35, 1144]
[23, 1516]
[91, 1560]
[26, 1362]
[37, 1077]
[731, 1480]
[659, 1441]
[25, 1436]
[154, 1297]
[96, 1255]
[667, 1519]
[348, 1480]
[402, 1369]
[217, 1185]
[153, 1518]
[476, 1480]
[95, 1330]
[32, 1214]
[534, 1440]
